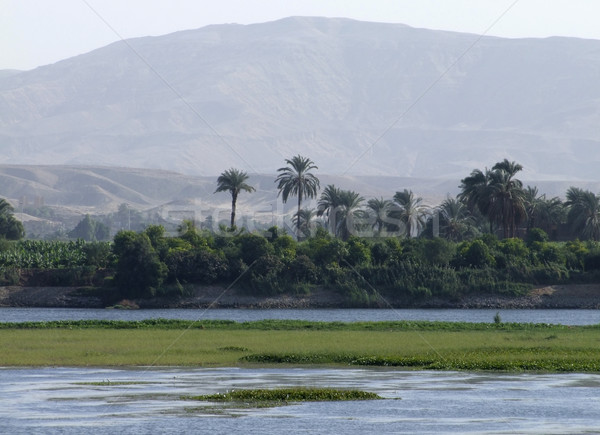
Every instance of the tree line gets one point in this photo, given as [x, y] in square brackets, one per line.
[490, 201]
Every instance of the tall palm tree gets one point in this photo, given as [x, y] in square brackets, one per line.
[233, 181]
[341, 208]
[475, 192]
[329, 204]
[507, 199]
[349, 211]
[584, 213]
[533, 202]
[379, 209]
[297, 180]
[411, 211]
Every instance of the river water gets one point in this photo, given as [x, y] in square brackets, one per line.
[565, 317]
[61, 400]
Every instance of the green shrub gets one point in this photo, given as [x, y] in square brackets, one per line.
[358, 251]
[284, 247]
[265, 276]
[380, 253]
[497, 318]
[302, 269]
[253, 247]
[420, 292]
[196, 266]
[438, 251]
[139, 269]
[331, 251]
[475, 255]
[536, 235]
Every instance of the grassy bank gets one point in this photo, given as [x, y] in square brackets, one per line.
[415, 345]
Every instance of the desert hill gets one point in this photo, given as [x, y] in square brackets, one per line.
[359, 98]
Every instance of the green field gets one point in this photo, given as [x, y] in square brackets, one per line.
[414, 345]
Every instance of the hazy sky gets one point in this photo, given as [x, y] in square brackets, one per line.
[39, 32]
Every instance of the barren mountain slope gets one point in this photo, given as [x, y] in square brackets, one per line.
[358, 98]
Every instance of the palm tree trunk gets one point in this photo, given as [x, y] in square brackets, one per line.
[233, 201]
[298, 222]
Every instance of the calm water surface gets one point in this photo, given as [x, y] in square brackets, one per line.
[61, 400]
[565, 317]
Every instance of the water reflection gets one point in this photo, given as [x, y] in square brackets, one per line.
[66, 400]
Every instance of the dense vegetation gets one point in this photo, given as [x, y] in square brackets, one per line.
[492, 238]
[149, 263]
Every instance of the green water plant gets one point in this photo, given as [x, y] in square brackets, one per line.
[497, 318]
[285, 395]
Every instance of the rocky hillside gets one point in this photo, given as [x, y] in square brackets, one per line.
[359, 98]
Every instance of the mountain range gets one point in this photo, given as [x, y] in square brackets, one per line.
[358, 98]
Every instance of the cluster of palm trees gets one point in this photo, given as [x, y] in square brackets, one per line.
[341, 211]
[497, 196]
[492, 200]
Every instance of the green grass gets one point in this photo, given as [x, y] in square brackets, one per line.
[411, 345]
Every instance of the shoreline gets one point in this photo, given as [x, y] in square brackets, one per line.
[570, 296]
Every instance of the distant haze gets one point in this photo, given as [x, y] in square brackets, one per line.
[358, 98]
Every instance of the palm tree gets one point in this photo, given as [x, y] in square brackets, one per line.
[341, 207]
[410, 211]
[233, 181]
[549, 213]
[328, 205]
[510, 167]
[475, 192]
[455, 219]
[532, 204]
[584, 213]
[349, 210]
[379, 209]
[507, 198]
[304, 220]
[296, 180]
[541, 212]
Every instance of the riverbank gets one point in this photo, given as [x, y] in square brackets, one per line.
[584, 296]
